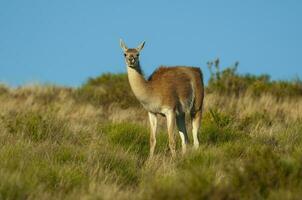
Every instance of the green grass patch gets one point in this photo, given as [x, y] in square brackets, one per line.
[36, 126]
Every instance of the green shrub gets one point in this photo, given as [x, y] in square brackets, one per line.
[3, 89]
[36, 126]
[121, 167]
[253, 119]
[107, 89]
[229, 82]
[264, 171]
[130, 136]
[217, 128]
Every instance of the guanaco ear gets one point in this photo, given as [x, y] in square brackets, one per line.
[141, 46]
[123, 45]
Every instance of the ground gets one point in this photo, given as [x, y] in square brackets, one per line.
[55, 147]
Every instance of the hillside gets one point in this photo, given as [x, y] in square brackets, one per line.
[91, 142]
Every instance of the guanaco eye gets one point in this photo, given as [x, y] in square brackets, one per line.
[137, 55]
[125, 54]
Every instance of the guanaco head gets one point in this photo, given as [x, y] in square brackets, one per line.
[131, 55]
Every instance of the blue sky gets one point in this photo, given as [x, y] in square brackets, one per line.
[66, 41]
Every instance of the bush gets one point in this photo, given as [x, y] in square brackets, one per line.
[130, 136]
[218, 128]
[107, 89]
[3, 89]
[262, 172]
[229, 82]
[36, 126]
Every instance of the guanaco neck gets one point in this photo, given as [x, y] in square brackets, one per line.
[138, 84]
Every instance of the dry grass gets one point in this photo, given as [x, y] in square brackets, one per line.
[53, 146]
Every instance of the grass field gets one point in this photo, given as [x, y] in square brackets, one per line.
[55, 143]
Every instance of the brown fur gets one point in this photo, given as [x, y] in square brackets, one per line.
[175, 85]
